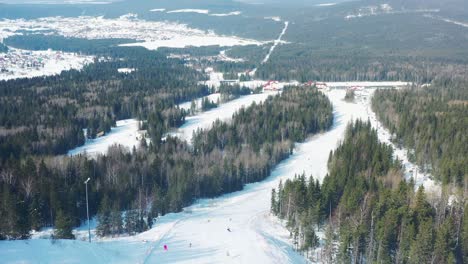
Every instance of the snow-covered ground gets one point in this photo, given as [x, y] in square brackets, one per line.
[224, 113]
[199, 11]
[199, 234]
[202, 11]
[149, 34]
[158, 10]
[326, 4]
[234, 13]
[274, 18]
[17, 63]
[223, 57]
[216, 78]
[382, 9]
[125, 133]
[215, 97]
[126, 70]
[411, 170]
[367, 84]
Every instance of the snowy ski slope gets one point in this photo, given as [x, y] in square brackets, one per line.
[199, 234]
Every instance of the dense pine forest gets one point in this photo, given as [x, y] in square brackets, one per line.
[46, 115]
[164, 176]
[367, 212]
[3, 48]
[432, 122]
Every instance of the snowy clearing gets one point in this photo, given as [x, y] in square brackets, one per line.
[158, 10]
[17, 63]
[274, 18]
[215, 97]
[326, 4]
[234, 13]
[223, 57]
[149, 34]
[125, 133]
[126, 70]
[366, 84]
[199, 11]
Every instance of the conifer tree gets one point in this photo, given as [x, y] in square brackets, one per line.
[63, 226]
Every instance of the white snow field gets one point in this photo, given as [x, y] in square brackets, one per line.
[149, 34]
[233, 13]
[198, 11]
[326, 4]
[202, 11]
[126, 70]
[199, 234]
[158, 10]
[18, 63]
[215, 97]
[125, 133]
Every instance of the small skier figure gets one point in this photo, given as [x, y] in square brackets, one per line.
[190, 245]
[229, 229]
[165, 247]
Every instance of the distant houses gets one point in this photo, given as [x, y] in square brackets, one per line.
[272, 86]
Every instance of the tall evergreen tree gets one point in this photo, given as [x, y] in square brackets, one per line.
[63, 226]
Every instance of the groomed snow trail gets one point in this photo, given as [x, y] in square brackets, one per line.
[255, 236]
[275, 43]
[199, 234]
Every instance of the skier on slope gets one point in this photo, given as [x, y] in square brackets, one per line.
[165, 247]
[229, 229]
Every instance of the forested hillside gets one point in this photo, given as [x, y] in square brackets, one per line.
[3, 48]
[168, 174]
[327, 46]
[373, 214]
[432, 122]
[47, 115]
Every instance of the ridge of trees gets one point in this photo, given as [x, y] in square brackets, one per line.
[164, 175]
[368, 212]
[431, 121]
[46, 115]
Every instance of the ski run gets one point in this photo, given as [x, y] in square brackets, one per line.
[233, 228]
